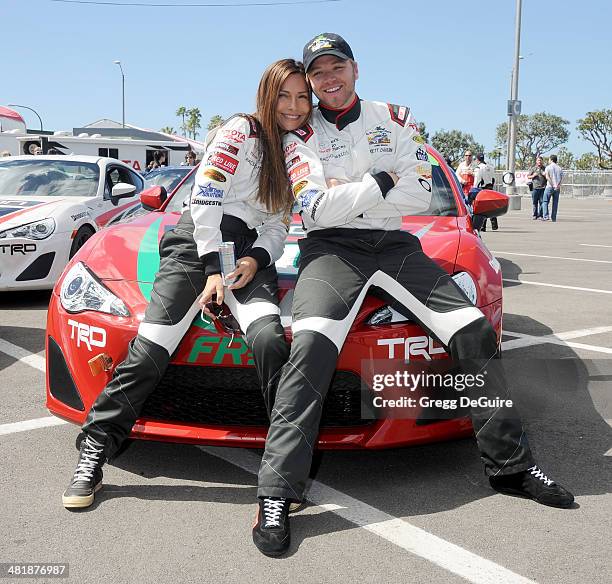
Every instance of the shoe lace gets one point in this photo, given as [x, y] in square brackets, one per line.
[538, 474]
[88, 460]
[272, 511]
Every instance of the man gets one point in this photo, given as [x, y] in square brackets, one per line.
[537, 177]
[354, 241]
[465, 173]
[484, 178]
[554, 176]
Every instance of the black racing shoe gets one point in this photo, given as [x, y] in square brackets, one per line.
[533, 484]
[271, 532]
[87, 478]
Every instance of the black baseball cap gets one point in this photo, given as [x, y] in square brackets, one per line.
[326, 43]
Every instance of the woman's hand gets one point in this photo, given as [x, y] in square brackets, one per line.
[245, 271]
[332, 182]
[214, 285]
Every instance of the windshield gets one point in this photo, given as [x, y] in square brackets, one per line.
[49, 178]
[167, 177]
[182, 194]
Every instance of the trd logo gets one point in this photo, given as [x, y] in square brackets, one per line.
[413, 346]
[15, 248]
[88, 335]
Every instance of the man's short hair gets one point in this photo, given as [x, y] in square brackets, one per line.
[480, 157]
[468, 153]
[553, 157]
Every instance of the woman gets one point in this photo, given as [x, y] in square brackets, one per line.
[241, 185]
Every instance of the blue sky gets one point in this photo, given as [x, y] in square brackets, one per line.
[450, 61]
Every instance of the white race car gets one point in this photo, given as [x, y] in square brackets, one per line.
[51, 205]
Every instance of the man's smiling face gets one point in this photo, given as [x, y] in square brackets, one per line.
[333, 80]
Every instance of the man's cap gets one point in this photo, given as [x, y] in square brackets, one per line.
[326, 43]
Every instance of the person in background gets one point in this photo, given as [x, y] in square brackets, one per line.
[190, 159]
[554, 176]
[4, 154]
[37, 151]
[484, 178]
[538, 179]
[465, 173]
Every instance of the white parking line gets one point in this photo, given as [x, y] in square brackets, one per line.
[531, 283]
[399, 532]
[594, 245]
[22, 355]
[524, 340]
[531, 255]
[30, 425]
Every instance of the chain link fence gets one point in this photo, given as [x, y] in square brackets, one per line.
[576, 183]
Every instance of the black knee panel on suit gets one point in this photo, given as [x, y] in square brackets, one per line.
[477, 340]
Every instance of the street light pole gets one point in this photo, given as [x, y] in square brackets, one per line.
[515, 201]
[28, 108]
[122, 91]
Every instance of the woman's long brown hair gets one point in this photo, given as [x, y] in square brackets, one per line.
[274, 188]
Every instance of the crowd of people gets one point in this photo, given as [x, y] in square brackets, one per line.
[352, 201]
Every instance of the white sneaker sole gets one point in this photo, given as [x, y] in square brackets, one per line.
[75, 502]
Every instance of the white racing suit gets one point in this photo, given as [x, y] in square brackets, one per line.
[222, 207]
[353, 243]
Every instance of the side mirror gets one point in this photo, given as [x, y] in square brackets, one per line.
[153, 197]
[121, 191]
[490, 203]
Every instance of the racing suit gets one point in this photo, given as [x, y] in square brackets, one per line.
[354, 242]
[222, 208]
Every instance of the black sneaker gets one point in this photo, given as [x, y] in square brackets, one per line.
[87, 478]
[271, 532]
[533, 484]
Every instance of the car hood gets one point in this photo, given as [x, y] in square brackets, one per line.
[134, 248]
[15, 211]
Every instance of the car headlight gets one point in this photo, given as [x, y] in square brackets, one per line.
[467, 284]
[36, 230]
[81, 291]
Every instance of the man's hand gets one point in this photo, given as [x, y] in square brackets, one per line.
[214, 285]
[245, 271]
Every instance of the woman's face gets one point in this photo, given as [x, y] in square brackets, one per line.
[293, 105]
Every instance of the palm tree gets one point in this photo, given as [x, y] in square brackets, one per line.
[182, 112]
[215, 121]
[193, 121]
[167, 130]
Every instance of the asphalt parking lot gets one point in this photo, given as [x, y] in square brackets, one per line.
[177, 513]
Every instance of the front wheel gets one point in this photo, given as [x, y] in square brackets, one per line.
[83, 234]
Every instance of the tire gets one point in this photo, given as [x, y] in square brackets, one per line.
[28, 147]
[83, 234]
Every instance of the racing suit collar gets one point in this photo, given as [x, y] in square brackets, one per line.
[342, 118]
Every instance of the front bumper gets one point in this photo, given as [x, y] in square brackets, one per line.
[187, 406]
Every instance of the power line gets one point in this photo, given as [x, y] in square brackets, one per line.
[195, 5]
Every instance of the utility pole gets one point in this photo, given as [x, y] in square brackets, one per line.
[122, 91]
[514, 110]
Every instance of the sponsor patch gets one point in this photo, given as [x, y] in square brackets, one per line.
[211, 192]
[379, 136]
[223, 161]
[424, 170]
[299, 187]
[305, 132]
[198, 201]
[290, 148]
[315, 206]
[214, 175]
[399, 113]
[227, 147]
[306, 197]
[299, 172]
[291, 163]
[425, 184]
[421, 154]
[233, 136]
[419, 139]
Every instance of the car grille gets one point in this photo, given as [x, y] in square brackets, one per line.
[232, 397]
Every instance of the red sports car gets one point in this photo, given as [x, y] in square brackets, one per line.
[210, 393]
